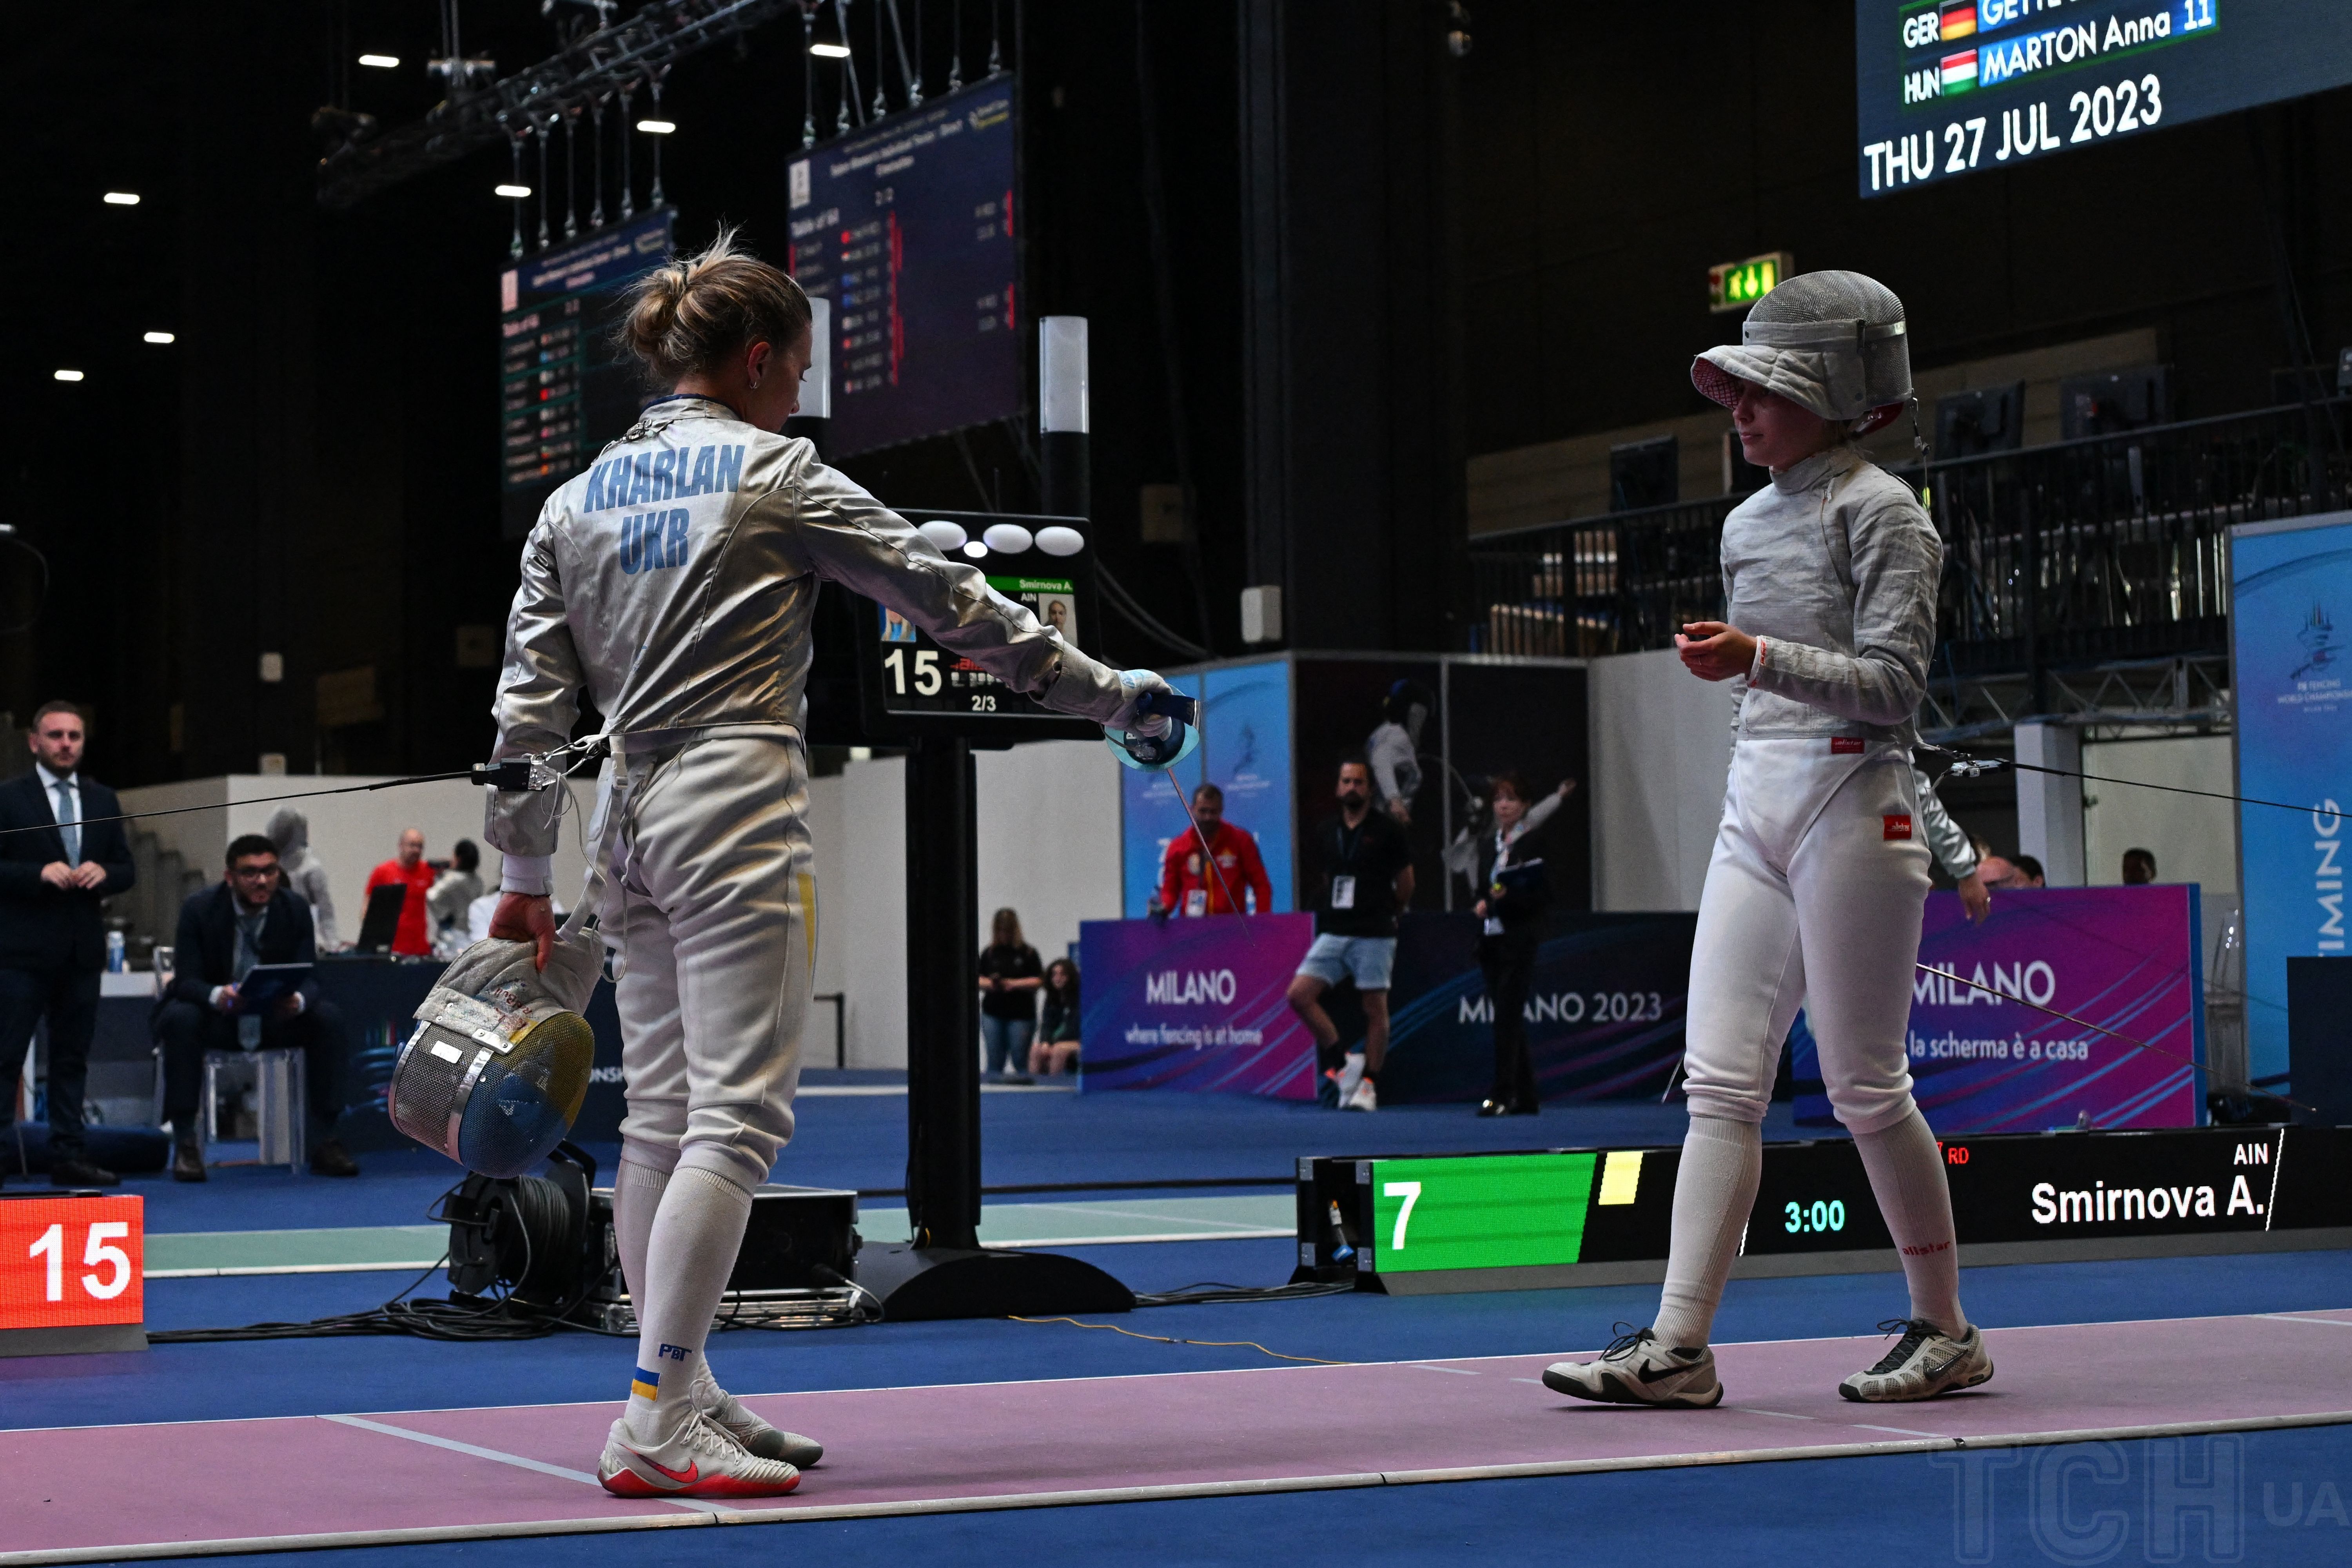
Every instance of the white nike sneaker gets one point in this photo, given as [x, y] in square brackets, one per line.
[1925, 1363]
[755, 1435]
[1347, 1076]
[701, 1459]
[1637, 1370]
[1365, 1096]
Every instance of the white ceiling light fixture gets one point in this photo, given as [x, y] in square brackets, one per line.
[656, 126]
[159, 338]
[380, 62]
[513, 193]
[122, 199]
[830, 51]
[67, 374]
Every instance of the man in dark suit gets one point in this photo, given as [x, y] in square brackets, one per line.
[56, 862]
[247, 918]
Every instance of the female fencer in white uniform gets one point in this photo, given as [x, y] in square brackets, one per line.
[1819, 877]
[674, 583]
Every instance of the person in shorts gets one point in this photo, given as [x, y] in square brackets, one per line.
[1364, 876]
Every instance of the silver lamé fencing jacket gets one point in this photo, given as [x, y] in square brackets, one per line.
[676, 581]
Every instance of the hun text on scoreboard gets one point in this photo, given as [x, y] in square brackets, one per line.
[1946, 88]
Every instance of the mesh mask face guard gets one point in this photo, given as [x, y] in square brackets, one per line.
[1836, 361]
[497, 1068]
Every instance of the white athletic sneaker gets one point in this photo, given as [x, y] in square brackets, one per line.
[700, 1459]
[1365, 1097]
[755, 1435]
[1347, 1076]
[1925, 1363]
[1637, 1370]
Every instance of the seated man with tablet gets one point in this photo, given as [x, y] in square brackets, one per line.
[244, 982]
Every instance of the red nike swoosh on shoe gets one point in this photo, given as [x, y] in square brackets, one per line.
[685, 1477]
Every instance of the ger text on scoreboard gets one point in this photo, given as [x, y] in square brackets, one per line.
[1957, 86]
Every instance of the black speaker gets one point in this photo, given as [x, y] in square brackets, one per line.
[1645, 473]
[1989, 419]
[2319, 1039]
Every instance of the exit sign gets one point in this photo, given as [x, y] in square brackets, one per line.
[1735, 284]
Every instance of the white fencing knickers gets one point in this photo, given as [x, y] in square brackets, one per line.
[1813, 899]
[709, 897]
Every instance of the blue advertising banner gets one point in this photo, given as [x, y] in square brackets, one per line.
[1246, 750]
[1604, 1011]
[2125, 958]
[2290, 580]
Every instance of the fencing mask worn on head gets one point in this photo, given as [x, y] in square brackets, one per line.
[1833, 342]
[497, 1068]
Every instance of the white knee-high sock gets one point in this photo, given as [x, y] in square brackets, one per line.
[1714, 1186]
[696, 1234]
[1906, 1174]
[636, 1196]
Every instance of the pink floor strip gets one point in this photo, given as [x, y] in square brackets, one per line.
[87, 1492]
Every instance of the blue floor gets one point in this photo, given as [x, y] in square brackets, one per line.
[1810, 1512]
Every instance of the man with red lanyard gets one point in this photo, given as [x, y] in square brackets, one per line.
[408, 869]
[1189, 885]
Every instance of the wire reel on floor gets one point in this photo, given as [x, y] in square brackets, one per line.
[543, 1242]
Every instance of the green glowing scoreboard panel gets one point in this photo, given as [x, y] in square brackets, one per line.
[1414, 1223]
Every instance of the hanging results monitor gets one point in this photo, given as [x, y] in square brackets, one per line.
[911, 686]
[564, 389]
[1957, 86]
[909, 226]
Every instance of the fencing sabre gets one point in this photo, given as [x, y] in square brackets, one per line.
[1145, 754]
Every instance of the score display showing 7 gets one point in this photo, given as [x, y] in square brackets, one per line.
[1411, 1193]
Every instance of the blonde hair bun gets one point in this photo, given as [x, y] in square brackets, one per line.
[693, 313]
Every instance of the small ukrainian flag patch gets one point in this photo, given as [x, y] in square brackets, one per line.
[647, 1384]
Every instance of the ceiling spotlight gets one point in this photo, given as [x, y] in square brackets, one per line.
[67, 374]
[830, 51]
[380, 62]
[159, 338]
[656, 127]
[122, 199]
[517, 191]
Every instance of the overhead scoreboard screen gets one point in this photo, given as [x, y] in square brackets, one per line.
[1956, 87]
[564, 389]
[908, 227]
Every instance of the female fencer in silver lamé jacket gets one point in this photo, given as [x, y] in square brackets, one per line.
[676, 581]
[1832, 568]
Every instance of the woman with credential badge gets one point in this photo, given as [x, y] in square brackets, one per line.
[1515, 893]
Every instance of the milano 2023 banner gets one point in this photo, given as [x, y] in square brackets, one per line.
[2124, 958]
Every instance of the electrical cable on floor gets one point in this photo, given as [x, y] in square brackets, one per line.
[1213, 1291]
[1166, 1340]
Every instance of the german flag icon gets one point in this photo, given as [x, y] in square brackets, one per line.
[1958, 18]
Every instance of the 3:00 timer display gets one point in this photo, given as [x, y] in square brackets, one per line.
[1806, 1220]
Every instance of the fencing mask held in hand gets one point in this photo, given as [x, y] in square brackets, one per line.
[495, 1072]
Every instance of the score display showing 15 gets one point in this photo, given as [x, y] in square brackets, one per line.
[927, 671]
[1803, 1220]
